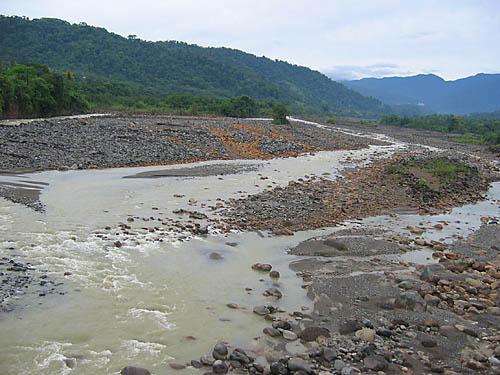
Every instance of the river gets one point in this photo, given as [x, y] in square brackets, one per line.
[160, 297]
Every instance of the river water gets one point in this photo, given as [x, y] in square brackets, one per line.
[147, 303]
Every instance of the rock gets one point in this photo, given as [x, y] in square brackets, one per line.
[430, 323]
[432, 300]
[494, 361]
[196, 364]
[177, 366]
[263, 267]
[384, 332]
[474, 282]
[410, 301]
[429, 275]
[118, 244]
[328, 354]
[282, 324]
[428, 343]
[348, 370]
[475, 365]
[375, 362]
[273, 332]
[466, 330]
[131, 370]
[406, 284]
[312, 333]
[233, 306]
[349, 326]
[332, 242]
[365, 334]
[207, 360]
[215, 256]
[240, 356]
[261, 310]
[258, 367]
[273, 292]
[274, 274]
[70, 362]
[494, 310]
[415, 230]
[219, 367]
[339, 364]
[278, 368]
[220, 351]
[289, 335]
[297, 364]
[386, 305]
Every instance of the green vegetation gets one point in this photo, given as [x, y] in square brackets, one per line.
[279, 114]
[470, 140]
[487, 128]
[32, 90]
[331, 120]
[447, 171]
[439, 171]
[159, 69]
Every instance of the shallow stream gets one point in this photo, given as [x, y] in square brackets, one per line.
[148, 302]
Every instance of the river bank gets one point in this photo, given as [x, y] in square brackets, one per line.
[425, 273]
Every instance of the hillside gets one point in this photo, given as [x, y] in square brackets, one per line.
[172, 67]
[479, 93]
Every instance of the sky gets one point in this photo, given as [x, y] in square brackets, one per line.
[346, 39]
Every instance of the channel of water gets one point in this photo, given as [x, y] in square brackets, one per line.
[149, 303]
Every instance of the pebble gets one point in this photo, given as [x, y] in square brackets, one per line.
[365, 334]
[220, 367]
[289, 335]
[261, 310]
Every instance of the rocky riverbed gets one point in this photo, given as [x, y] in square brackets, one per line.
[374, 311]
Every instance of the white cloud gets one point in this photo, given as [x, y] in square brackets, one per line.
[452, 37]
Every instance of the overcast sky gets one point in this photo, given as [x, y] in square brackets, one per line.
[347, 38]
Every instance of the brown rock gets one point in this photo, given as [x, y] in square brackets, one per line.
[312, 333]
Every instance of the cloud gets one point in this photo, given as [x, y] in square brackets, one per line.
[351, 72]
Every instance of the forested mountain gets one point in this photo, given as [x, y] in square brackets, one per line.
[172, 67]
[479, 93]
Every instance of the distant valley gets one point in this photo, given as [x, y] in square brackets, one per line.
[428, 93]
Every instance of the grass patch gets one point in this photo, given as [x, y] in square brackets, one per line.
[473, 141]
[446, 170]
[431, 173]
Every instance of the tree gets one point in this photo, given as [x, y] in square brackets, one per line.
[280, 111]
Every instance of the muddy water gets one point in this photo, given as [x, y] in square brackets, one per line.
[148, 303]
[139, 304]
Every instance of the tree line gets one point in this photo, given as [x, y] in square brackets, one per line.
[484, 126]
[32, 90]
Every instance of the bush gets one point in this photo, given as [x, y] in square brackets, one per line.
[280, 111]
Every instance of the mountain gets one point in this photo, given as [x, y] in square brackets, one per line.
[479, 93]
[171, 67]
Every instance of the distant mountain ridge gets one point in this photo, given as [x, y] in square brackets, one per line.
[172, 67]
[479, 93]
